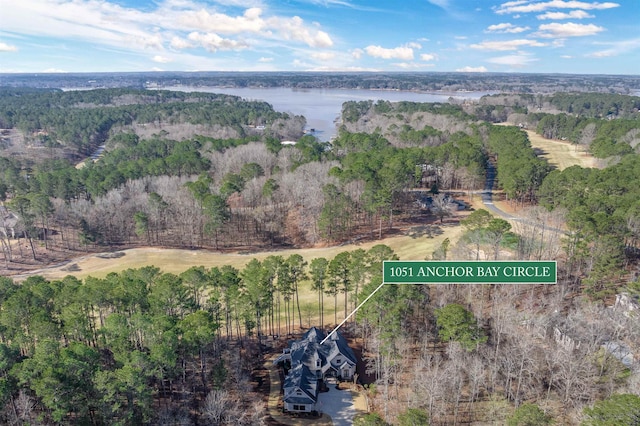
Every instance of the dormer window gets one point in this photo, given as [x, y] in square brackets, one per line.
[318, 363]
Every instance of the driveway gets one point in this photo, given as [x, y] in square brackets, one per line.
[338, 404]
[487, 200]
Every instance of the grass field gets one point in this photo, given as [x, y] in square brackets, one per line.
[560, 154]
[413, 244]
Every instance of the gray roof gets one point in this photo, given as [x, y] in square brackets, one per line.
[314, 334]
[310, 344]
[299, 400]
[337, 343]
[304, 354]
[300, 377]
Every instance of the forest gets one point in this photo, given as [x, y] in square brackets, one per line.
[206, 171]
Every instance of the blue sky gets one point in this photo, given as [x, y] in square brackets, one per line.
[545, 36]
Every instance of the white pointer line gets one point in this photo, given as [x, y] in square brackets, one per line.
[351, 314]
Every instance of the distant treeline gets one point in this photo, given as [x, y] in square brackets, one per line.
[423, 81]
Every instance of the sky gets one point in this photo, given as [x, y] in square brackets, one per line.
[524, 36]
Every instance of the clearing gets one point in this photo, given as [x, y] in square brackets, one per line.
[416, 243]
[560, 154]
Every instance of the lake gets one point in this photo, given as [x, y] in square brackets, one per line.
[322, 107]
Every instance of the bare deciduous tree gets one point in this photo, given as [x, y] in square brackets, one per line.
[540, 233]
[217, 407]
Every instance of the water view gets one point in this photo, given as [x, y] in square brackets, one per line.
[322, 107]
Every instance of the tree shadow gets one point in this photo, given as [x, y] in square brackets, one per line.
[428, 231]
[113, 255]
[539, 152]
[72, 268]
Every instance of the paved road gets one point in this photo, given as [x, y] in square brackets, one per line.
[487, 200]
[487, 193]
[338, 404]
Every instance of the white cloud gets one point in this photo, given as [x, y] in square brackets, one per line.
[461, 37]
[213, 42]
[300, 64]
[472, 69]
[265, 60]
[344, 4]
[4, 47]
[105, 23]
[414, 45]
[428, 57]
[537, 6]
[617, 48]
[440, 3]
[323, 56]
[569, 29]
[506, 28]
[146, 41]
[325, 68]
[566, 57]
[507, 45]
[161, 59]
[296, 29]
[412, 65]
[357, 53]
[91, 21]
[402, 52]
[520, 60]
[180, 43]
[574, 14]
[249, 22]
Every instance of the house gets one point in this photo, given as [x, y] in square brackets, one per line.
[300, 390]
[310, 363]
